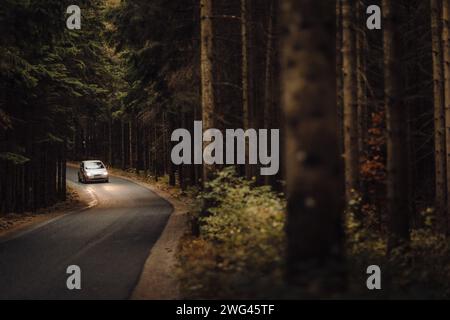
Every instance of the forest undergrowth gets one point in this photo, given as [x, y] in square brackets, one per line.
[239, 251]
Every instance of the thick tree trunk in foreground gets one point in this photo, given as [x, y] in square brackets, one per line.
[206, 64]
[351, 154]
[446, 59]
[314, 174]
[397, 144]
[439, 115]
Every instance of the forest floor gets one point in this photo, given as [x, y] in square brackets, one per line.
[14, 223]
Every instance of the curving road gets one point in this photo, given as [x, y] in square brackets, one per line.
[109, 242]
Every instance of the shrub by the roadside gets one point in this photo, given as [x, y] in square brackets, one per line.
[241, 242]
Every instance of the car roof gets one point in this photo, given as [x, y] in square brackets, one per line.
[87, 161]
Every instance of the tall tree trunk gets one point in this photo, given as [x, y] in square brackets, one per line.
[350, 106]
[339, 76]
[397, 146]
[110, 142]
[268, 94]
[446, 59]
[246, 90]
[207, 76]
[60, 168]
[137, 145]
[154, 149]
[439, 115]
[168, 127]
[314, 177]
[268, 78]
[150, 150]
[122, 144]
[64, 170]
[361, 54]
[144, 151]
[130, 143]
[58, 173]
[182, 169]
[164, 143]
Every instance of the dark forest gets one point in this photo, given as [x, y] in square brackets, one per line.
[363, 115]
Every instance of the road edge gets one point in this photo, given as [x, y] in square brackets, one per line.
[158, 280]
[89, 203]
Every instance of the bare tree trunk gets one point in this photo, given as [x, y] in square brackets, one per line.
[361, 54]
[144, 150]
[397, 144]
[149, 150]
[58, 172]
[350, 100]
[268, 91]
[168, 127]
[137, 146]
[110, 142]
[314, 177]
[130, 143]
[246, 91]
[207, 63]
[154, 149]
[64, 170]
[122, 149]
[339, 76]
[439, 116]
[446, 59]
[182, 169]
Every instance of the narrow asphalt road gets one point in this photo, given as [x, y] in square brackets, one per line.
[109, 242]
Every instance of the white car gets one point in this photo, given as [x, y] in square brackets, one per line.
[92, 171]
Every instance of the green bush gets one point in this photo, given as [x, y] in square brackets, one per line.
[241, 239]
